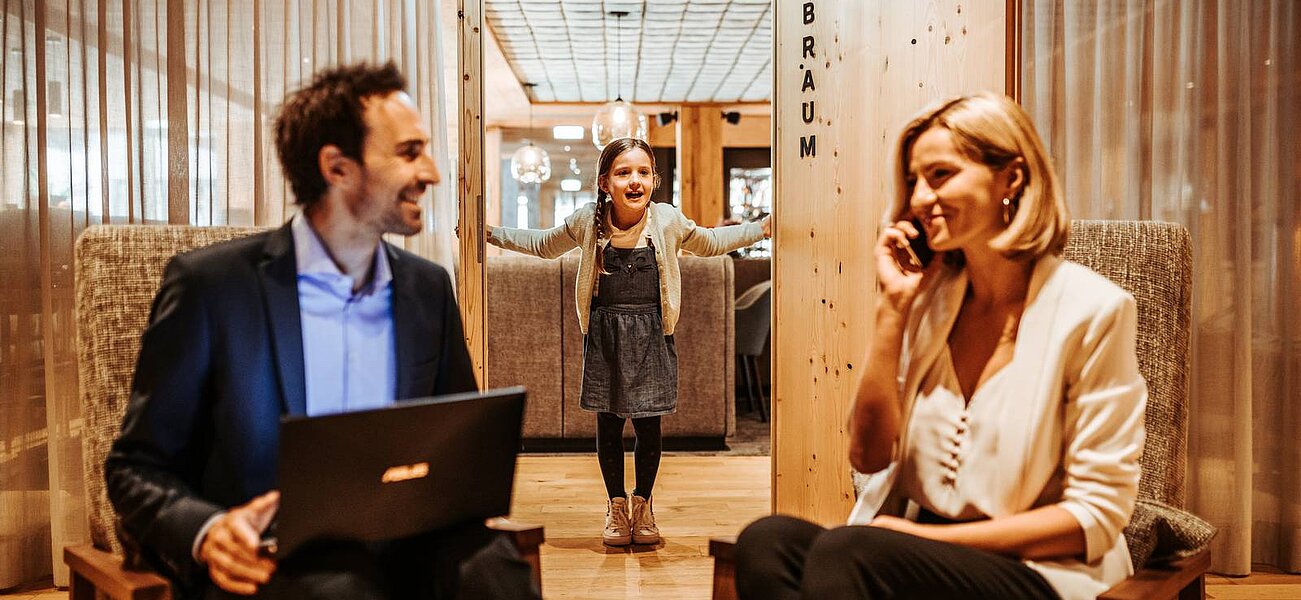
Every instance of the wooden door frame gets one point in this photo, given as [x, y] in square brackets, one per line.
[471, 276]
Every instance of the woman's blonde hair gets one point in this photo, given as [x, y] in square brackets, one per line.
[993, 130]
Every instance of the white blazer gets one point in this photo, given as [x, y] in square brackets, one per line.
[1076, 424]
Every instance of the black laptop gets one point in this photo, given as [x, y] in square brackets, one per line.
[394, 472]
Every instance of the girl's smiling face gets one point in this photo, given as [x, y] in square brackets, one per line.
[630, 183]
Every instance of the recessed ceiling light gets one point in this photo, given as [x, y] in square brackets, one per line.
[571, 185]
[568, 132]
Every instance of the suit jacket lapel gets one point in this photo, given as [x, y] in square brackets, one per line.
[409, 326]
[279, 276]
[931, 331]
[1024, 419]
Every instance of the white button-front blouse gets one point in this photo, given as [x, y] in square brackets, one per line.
[946, 434]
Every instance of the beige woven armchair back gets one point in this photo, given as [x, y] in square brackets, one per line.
[1153, 262]
[118, 270]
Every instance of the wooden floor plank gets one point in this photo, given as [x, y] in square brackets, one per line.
[695, 498]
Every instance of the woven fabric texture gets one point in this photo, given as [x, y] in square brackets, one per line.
[1159, 533]
[1153, 262]
[118, 271]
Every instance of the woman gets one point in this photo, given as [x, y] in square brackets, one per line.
[629, 294]
[1002, 407]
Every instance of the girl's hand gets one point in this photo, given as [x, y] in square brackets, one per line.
[900, 279]
[767, 226]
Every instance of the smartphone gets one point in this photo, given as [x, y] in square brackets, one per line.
[918, 251]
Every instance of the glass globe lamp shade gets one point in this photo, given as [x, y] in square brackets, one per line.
[616, 120]
[530, 164]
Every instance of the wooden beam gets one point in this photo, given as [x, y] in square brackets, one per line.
[850, 73]
[470, 281]
[700, 162]
[1013, 47]
[753, 131]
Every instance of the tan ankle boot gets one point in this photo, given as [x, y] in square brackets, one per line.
[644, 530]
[617, 530]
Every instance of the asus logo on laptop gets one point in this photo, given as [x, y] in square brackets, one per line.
[405, 472]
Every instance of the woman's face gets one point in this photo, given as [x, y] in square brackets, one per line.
[958, 201]
[630, 181]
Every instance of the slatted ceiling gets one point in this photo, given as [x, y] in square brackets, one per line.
[672, 50]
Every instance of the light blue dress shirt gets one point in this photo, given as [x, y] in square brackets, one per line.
[349, 352]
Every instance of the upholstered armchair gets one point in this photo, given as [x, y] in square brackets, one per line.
[1153, 262]
[753, 320]
[118, 271]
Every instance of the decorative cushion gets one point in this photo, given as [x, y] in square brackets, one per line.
[1159, 533]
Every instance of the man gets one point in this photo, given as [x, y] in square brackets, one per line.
[320, 316]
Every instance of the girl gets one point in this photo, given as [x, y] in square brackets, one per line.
[629, 296]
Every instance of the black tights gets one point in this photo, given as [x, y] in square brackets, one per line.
[609, 452]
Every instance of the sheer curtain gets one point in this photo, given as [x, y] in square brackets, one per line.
[1190, 111]
[151, 111]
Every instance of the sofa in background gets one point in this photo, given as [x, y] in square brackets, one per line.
[534, 341]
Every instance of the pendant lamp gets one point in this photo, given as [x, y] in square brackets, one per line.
[530, 164]
[618, 119]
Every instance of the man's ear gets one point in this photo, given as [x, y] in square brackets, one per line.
[338, 170]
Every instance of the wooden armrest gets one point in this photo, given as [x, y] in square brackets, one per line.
[527, 540]
[94, 569]
[1158, 583]
[721, 547]
[524, 535]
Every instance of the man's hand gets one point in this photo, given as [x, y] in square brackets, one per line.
[230, 548]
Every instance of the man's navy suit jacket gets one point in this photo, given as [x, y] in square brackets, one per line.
[221, 361]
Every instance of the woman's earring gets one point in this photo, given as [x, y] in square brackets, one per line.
[1007, 211]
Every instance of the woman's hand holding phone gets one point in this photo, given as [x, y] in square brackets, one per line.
[903, 262]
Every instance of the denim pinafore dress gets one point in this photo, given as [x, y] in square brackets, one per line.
[630, 368]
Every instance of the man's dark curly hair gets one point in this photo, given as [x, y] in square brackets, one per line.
[328, 111]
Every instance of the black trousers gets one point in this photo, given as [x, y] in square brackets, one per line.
[785, 558]
[466, 562]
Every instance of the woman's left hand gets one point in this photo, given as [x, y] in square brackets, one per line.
[905, 526]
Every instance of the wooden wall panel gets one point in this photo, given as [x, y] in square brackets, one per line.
[855, 70]
[700, 162]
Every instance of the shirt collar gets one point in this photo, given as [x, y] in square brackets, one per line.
[313, 259]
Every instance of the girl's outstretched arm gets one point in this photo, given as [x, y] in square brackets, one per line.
[706, 241]
[543, 243]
